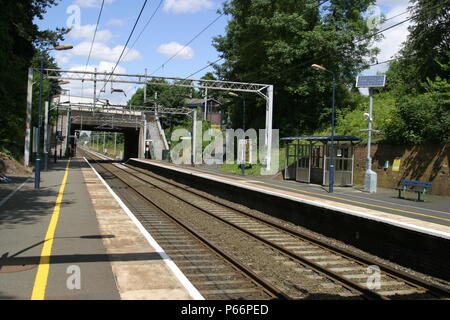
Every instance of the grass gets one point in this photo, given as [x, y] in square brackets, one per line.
[252, 169]
[109, 146]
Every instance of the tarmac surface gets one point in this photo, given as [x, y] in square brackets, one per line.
[73, 239]
[77, 245]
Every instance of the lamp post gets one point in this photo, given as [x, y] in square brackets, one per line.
[37, 171]
[57, 121]
[331, 176]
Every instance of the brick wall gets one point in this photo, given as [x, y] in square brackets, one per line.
[418, 162]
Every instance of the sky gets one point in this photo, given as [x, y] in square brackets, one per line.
[174, 24]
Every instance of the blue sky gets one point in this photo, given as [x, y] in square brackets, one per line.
[175, 23]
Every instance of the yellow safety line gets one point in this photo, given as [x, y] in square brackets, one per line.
[354, 201]
[40, 282]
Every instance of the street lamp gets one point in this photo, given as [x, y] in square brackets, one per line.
[37, 171]
[331, 177]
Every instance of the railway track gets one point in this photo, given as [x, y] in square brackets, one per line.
[312, 258]
[211, 271]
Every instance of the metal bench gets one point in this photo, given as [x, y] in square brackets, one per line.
[419, 187]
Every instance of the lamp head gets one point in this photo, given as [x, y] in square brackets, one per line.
[64, 47]
[233, 94]
[318, 67]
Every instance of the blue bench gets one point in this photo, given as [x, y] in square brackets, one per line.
[419, 187]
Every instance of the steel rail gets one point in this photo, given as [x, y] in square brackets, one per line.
[348, 284]
[409, 279]
[389, 271]
[267, 287]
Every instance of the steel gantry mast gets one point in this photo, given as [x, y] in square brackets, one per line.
[263, 90]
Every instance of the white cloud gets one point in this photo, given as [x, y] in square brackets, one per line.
[116, 22]
[393, 38]
[186, 6]
[101, 51]
[86, 32]
[91, 3]
[172, 48]
[392, 3]
[63, 58]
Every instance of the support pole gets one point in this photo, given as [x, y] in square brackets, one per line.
[193, 137]
[115, 141]
[95, 89]
[145, 87]
[269, 115]
[331, 177]
[370, 181]
[37, 171]
[55, 155]
[206, 104]
[26, 153]
[46, 137]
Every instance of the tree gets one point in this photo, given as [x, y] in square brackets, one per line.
[422, 118]
[426, 48]
[20, 39]
[419, 78]
[159, 91]
[276, 41]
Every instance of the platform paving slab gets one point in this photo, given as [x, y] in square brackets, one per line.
[146, 277]
[24, 220]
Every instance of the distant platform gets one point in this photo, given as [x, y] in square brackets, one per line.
[431, 216]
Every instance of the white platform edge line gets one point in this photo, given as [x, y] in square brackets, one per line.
[193, 292]
[404, 225]
[5, 199]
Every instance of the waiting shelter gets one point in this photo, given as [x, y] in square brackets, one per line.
[307, 159]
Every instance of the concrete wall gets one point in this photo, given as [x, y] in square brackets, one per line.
[420, 251]
[418, 162]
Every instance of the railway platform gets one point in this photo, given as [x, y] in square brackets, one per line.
[398, 230]
[73, 239]
[430, 215]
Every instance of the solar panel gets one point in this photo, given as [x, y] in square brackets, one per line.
[370, 81]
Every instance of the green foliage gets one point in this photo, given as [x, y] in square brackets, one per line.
[419, 79]
[420, 118]
[166, 95]
[19, 38]
[427, 46]
[276, 42]
[353, 121]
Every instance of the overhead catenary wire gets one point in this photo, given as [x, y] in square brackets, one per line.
[95, 33]
[124, 48]
[243, 47]
[92, 44]
[302, 64]
[188, 43]
[360, 40]
[144, 28]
